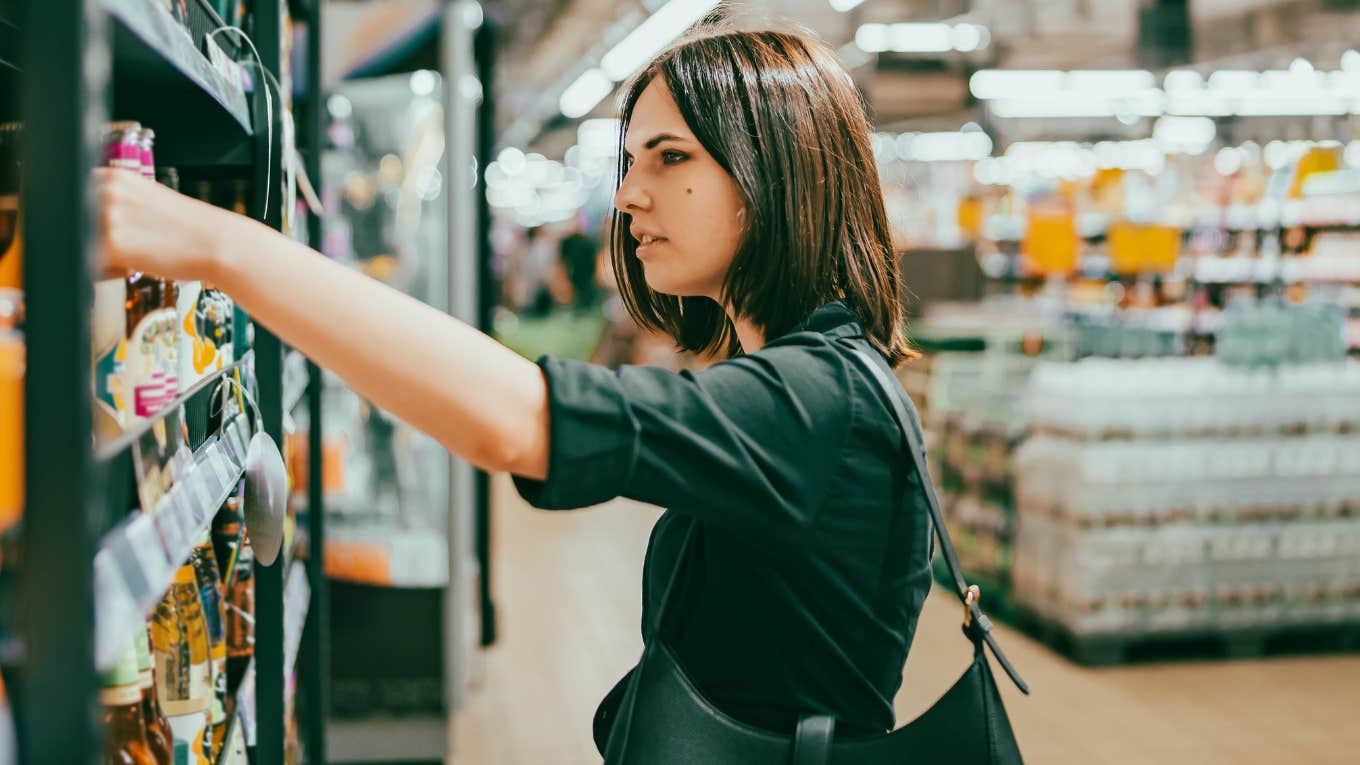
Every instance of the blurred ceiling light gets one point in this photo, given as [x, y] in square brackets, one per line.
[1183, 79]
[339, 107]
[598, 135]
[583, 95]
[1132, 94]
[1112, 82]
[945, 147]
[845, 5]
[1350, 61]
[1300, 65]
[921, 38]
[1184, 135]
[512, 161]
[969, 37]
[658, 31]
[1228, 160]
[1079, 105]
[1014, 83]
[872, 38]
[423, 82]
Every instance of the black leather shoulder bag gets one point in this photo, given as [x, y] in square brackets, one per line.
[664, 719]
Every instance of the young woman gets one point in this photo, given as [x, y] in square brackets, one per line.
[750, 224]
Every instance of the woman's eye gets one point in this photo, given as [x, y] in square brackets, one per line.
[672, 157]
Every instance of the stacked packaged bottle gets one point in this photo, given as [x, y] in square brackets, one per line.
[8, 740]
[125, 734]
[11, 333]
[150, 337]
[1171, 495]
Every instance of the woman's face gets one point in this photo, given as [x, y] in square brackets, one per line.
[686, 211]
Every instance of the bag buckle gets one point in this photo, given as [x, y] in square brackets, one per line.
[970, 599]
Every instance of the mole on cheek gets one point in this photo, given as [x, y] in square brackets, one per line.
[689, 191]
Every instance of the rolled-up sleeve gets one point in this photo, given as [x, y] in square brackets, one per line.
[750, 442]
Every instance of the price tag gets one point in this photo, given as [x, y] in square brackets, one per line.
[245, 706]
[171, 521]
[115, 610]
[234, 750]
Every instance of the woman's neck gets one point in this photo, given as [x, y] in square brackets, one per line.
[752, 337]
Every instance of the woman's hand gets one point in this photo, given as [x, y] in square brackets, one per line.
[144, 226]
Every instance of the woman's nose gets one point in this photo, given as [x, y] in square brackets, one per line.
[631, 197]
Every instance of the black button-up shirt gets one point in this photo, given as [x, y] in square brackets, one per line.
[810, 561]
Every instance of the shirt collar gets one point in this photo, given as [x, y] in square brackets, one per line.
[830, 317]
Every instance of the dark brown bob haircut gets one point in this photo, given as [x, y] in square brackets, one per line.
[779, 113]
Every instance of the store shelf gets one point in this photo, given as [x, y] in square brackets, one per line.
[297, 595]
[136, 561]
[163, 80]
[197, 402]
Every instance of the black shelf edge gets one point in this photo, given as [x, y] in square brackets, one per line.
[193, 398]
[163, 80]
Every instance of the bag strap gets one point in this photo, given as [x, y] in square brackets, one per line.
[976, 625]
[812, 740]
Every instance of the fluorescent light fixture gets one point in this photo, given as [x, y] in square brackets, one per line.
[1068, 104]
[946, 147]
[1014, 83]
[1112, 82]
[921, 38]
[1184, 135]
[872, 38]
[1183, 79]
[845, 5]
[967, 38]
[1232, 80]
[658, 31]
[1131, 94]
[586, 93]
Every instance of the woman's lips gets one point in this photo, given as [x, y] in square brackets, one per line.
[645, 249]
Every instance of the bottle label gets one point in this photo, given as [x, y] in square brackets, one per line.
[152, 362]
[110, 380]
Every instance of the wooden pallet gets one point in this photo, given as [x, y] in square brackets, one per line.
[1197, 644]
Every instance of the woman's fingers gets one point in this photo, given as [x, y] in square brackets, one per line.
[144, 226]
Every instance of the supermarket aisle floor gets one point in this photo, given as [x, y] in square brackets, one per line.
[568, 586]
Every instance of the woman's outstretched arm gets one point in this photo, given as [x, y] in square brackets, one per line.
[481, 400]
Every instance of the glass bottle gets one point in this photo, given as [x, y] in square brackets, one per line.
[7, 736]
[11, 233]
[209, 583]
[180, 639]
[237, 561]
[125, 735]
[158, 734]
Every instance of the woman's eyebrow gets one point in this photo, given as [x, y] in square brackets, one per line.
[655, 141]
